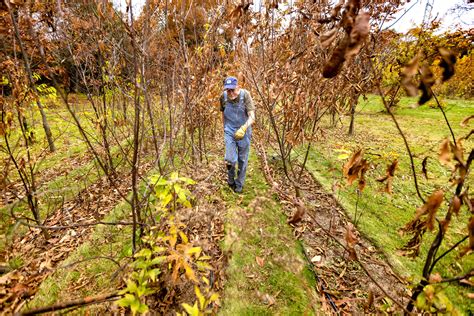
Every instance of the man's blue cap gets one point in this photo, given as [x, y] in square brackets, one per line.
[230, 83]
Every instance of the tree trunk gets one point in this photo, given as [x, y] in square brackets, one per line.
[26, 62]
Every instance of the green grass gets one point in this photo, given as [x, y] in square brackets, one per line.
[382, 215]
[256, 226]
[105, 241]
[59, 188]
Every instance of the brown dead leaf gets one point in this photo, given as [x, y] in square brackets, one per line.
[467, 282]
[260, 261]
[430, 207]
[21, 290]
[458, 152]
[470, 295]
[408, 74]
[359, 34]
[269, 300]
[448, 59]
[423, 167]
[389, 173]
[370, 300]
[351, 240]
[427, 81]
[354, 166]
[456, 204]
[466, 120]
[334, 65]
[470, 228]
[435, 278]
[45, 265]
[299, 213]
[328, 37]
[445, 152]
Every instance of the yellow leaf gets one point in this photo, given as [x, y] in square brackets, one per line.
[200, 297]
[189, 272]
[194, 250]
[184, 238]
[342, 156]
[214, 297]
[191, 310]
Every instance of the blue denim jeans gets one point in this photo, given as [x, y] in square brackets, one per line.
[236, 152]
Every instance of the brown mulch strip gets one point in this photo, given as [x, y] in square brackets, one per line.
[204, 228]
[343, 285]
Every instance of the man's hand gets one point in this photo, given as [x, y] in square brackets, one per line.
[240, 132]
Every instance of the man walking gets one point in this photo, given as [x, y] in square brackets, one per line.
[238, 114]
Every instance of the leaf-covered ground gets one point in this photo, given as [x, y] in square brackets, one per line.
[261, 264]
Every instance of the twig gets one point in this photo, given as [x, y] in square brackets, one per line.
[459, 278]
[74, 303]
[77, 225]
[447, 251]
[444, 115]
[412, 163]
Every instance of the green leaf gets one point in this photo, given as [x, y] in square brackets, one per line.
[142, 289]
[166, 200]
[131, 286]
[126, 301]
[158, 249]
[421, 302]
[143, 308]
[187, 180]
[202, 266]
[140, 264]
[135, 306]
[143, 253]
[158, 260]
[152, 274]
[191, 310]
[342, 156]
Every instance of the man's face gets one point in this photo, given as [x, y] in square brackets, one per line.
[232, 93]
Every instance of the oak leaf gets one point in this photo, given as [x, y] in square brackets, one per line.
[447, 63]
[427, 81]
[445, 152]
[430, 207]
[359, 33]
[328, 37]
[334, 65]
[408, 74]
[351, 240]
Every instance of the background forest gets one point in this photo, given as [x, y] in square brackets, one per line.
[113, 191]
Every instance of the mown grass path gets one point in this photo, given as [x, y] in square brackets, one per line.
[267, 274]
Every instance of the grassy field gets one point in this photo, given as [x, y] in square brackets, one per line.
[380, 215]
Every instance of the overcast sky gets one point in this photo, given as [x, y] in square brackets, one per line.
[440, 8]
[414, 16]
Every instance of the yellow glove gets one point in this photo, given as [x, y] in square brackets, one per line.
[240, 132]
